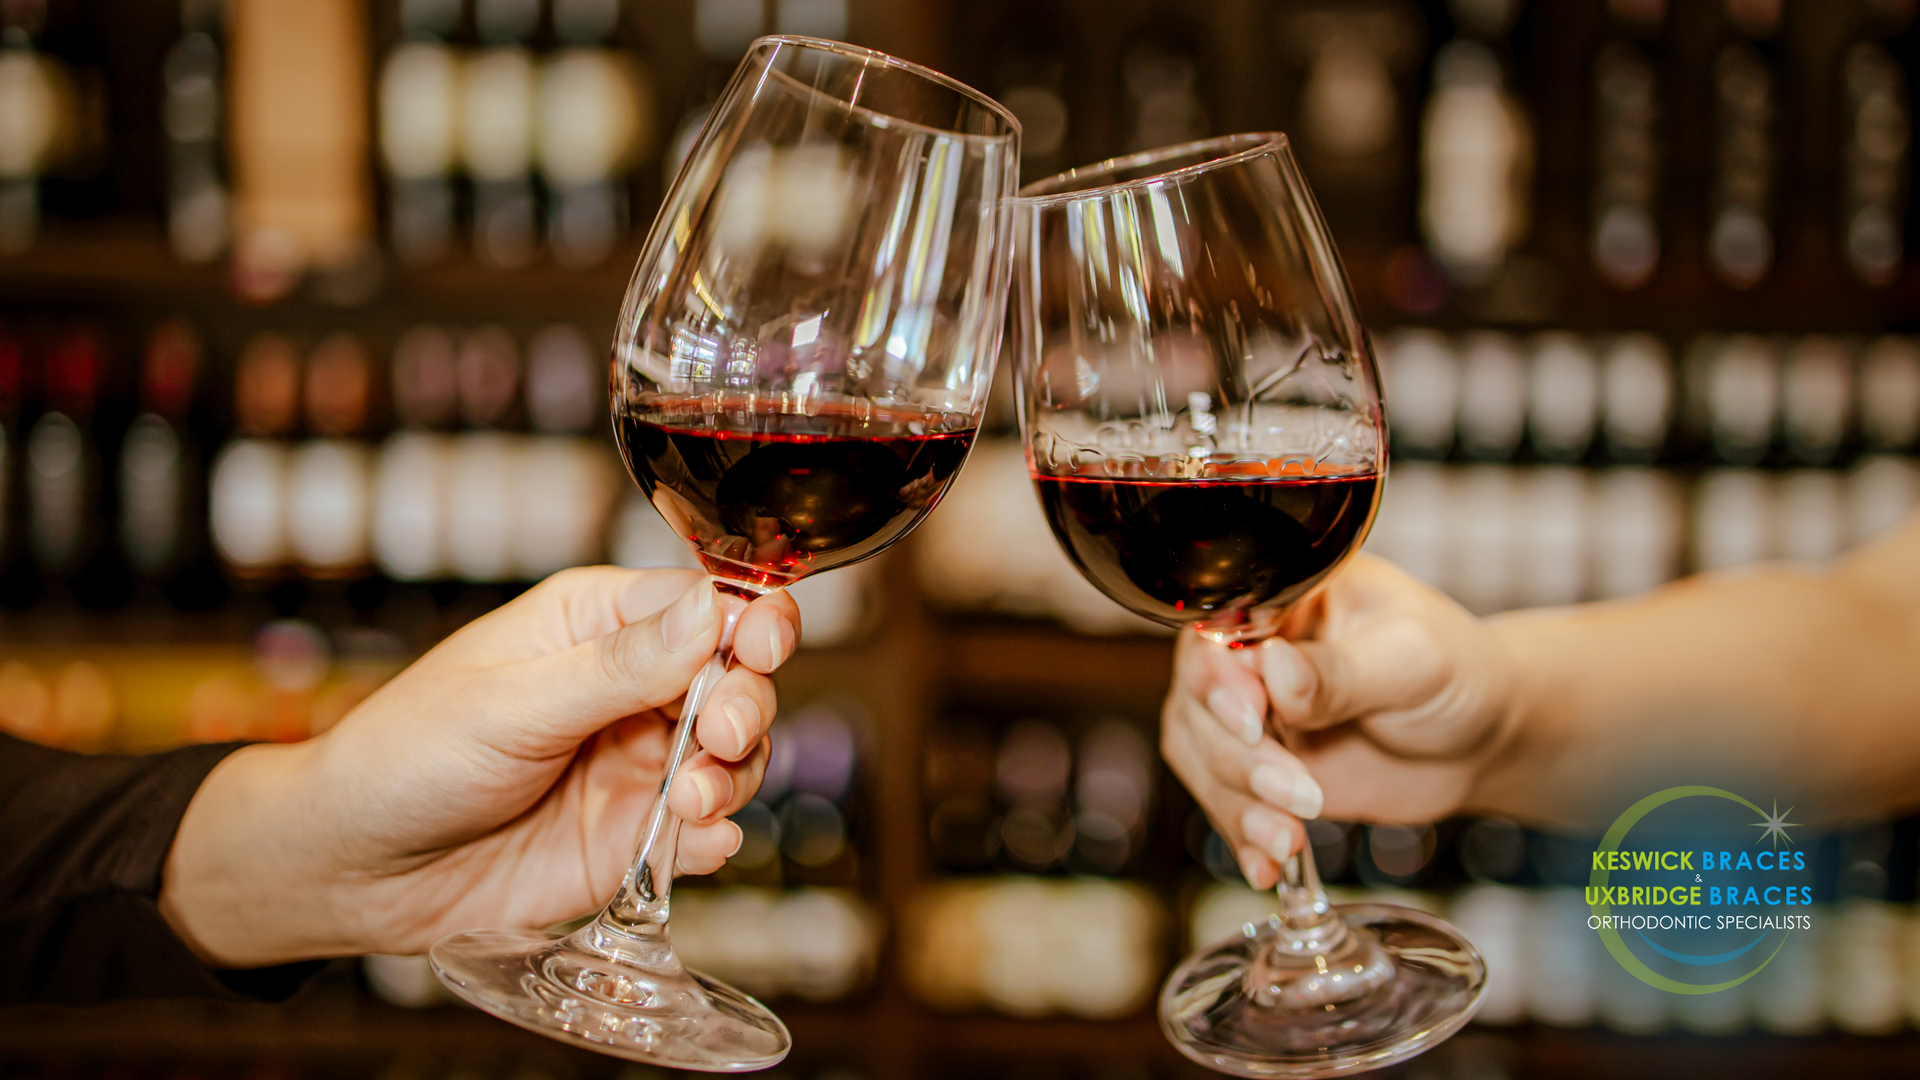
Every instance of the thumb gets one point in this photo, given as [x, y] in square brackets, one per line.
[642, 665]
[1317, 684]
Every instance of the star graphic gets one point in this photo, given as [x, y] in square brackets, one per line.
[1776, 826]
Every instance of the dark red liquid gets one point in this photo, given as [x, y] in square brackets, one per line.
[1221, 552]
[768, 497]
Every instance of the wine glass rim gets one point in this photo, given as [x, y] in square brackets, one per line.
[1233, 149]
[861, 52]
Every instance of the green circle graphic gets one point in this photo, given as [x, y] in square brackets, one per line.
[1611, 935]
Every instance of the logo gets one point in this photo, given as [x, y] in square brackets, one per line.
[1687, 899]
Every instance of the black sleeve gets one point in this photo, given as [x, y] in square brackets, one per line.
[83, 839]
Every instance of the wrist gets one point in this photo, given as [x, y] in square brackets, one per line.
[1518, 684]
[243, 884]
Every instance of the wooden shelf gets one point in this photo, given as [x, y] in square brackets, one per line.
[994, 661]
[125, 262]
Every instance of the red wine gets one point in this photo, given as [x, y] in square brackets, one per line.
[767, 497]
[1220, 551]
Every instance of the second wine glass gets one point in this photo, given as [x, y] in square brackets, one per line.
[1202, 418]
[800, 365]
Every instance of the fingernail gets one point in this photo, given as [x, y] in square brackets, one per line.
[744, 716]
[1287, 788]
[1251, 867]
[709, 793]
[1266, 828]
[688, 615]
[1308, 799]
[1241, 718]
[739, 838]
[1282, 846]
[777, 641]
[1286, 672]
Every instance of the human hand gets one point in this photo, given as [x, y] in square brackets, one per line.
[501, 780]
[1392, 697]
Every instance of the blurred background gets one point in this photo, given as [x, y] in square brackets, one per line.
[303, 313]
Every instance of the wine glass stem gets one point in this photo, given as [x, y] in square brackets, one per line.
[640, 907]
[1303, 902]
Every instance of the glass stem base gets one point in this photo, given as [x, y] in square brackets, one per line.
[1322, 991]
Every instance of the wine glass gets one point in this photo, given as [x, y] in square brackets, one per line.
[800, 364]
[1203, 421]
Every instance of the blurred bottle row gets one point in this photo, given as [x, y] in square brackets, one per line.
[268, 461]
[1029, 797]
[511, 127]
[1621, 399]
[464, 454]
[1497, 537]
[1462, 148]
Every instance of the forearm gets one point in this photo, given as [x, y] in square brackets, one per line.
[1798, 684]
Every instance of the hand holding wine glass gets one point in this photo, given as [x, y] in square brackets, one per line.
[495, 780]
[1202, 419]
[800, 365]
[1405, 693]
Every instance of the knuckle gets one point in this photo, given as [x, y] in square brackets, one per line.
[623, 659]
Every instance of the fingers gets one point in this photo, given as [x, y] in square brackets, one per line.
[1225, 681]
[708, 789]
[1242, 789]
[767, 632]
[640, 666]
[574, 606]
[705, 848]
[737, 715]
[1376, 667]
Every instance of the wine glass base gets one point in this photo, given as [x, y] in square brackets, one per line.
[1437, 983]
[670, 1017]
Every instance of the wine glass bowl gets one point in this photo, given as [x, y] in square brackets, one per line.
[801, 362]
[1203, 421]
[806, 351]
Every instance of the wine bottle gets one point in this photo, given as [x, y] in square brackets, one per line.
[193, 110]
[328, 477]
[1625, 240]
[299, 123]
[1879, 134]
[1160, 73]
[159, 468]
[63, 474]
[483, 461]
[247, 497]
[410, 478]
[419, 102]
[1028, 61]
[12, 384]
[36, 94]
[1476, 164]
[595, 122]
[568, 486]
[724, 28]
[1740, 244]
[498, 110]
[1351, 105]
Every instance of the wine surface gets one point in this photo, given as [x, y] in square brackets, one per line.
[766, 497]
[1225, 553]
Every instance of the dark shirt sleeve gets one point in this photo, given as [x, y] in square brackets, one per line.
[83, 839]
